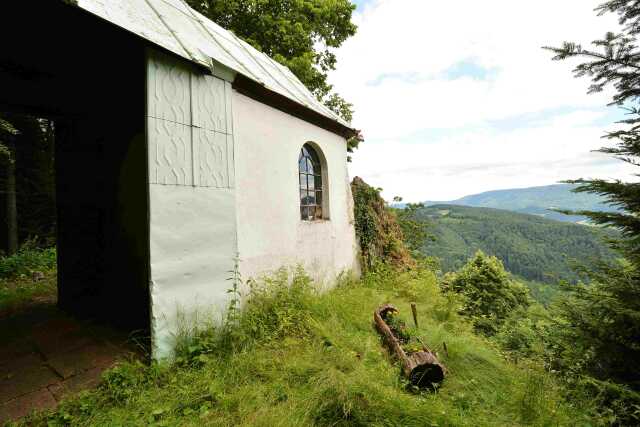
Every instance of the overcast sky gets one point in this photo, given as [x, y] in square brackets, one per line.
[457, 97]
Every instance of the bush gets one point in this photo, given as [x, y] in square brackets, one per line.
[276, 306]
[490, 294]
[616, 404]
[27, 260]
[522, 333]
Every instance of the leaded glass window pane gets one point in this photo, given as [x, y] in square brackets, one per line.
[310, 182]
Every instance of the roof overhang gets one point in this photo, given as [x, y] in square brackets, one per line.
[252, 89]
[177, 28]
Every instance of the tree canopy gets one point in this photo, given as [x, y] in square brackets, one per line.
[490, 294]
[533, 248]
[603, 320]
[300, 34]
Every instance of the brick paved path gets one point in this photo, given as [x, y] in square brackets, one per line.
[46, 355]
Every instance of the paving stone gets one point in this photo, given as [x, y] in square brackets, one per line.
[26, 379]
[85, 380]
[51, 342]
[116, 337]
[57, 390]
[22, 406]
[74, 362]
[46, 355]
[14, 350]
[18, 325]
[59, 322]
[20, 363]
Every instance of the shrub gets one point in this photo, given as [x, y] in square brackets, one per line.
[27, 260]
[120, 383]
[490, 294]
[616, 404]
[276, 306]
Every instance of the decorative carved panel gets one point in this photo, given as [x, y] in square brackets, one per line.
[209, 103]
[189, 130]
[213, 165]
[169, 91]
[170, 154]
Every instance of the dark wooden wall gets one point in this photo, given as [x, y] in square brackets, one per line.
[60, 62]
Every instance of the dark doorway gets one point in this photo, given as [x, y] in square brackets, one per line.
[89, 78]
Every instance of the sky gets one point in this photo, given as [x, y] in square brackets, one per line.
[457, 97]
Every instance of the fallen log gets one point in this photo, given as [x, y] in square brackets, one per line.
[421, 368]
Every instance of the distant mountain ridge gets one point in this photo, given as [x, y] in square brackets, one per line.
[535, 201]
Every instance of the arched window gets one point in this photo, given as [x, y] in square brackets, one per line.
[310, 171]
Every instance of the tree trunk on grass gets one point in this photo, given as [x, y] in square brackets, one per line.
[422, 368]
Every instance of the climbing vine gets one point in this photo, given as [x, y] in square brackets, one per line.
[380, 236]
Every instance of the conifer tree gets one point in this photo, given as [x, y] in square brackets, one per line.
[8, 187]
[603, 319]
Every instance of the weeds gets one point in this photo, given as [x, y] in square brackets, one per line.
[295, 357]
[27, 260]
[27, 275]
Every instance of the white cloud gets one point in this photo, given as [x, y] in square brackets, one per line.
[395, 72]
[469, 161]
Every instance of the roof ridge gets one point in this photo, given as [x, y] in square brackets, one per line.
[173, 33]
[213, 38]
[182, 30]
[242, 44]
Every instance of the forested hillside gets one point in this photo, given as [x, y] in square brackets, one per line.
[534, 248]
[536, 201]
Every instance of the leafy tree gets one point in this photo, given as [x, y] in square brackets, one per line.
[300, 34]
[604, 319]
[490, 294]
[413, 229]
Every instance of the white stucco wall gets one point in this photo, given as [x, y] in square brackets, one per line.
[192, 216]
[270, 231]
[223, 183]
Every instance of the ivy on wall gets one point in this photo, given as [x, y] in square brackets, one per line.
[380, 236]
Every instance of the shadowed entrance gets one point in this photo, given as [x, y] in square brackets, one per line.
[89, 79]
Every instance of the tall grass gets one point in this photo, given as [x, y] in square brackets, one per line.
[28, 259]
[296, 357]
[18, 287]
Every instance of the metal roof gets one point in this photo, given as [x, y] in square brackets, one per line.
[175, 26]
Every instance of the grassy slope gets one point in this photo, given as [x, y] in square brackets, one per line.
[335, 373]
